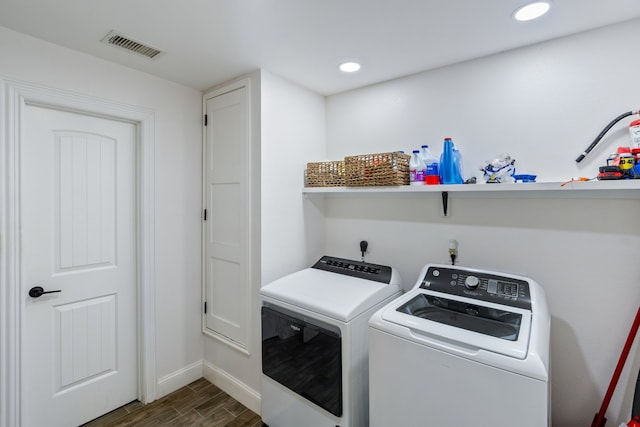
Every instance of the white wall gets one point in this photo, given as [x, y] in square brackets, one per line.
[544, 105]
[288, 125]
[177, 182]
[293, 132]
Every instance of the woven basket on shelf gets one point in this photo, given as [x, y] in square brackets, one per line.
[379, 169]
[325, 174]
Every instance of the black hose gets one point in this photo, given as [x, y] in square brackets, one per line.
[604, 131]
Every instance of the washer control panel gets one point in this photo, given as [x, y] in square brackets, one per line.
[480, 285]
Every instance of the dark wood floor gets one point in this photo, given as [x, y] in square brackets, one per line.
[198, 404]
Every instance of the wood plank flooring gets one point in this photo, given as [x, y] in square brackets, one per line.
[199, 404]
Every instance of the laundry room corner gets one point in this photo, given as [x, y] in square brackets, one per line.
[319, 214]
[530, 103]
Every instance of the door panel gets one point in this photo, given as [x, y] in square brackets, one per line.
[78, 235]
[85, 337]
[85, 198]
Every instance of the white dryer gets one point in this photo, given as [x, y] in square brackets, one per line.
[462, 347]
[315, 342]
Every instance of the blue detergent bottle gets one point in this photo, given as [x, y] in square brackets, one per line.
[450, 164]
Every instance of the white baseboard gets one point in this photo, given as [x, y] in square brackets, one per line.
[179, 379]
[233, 387]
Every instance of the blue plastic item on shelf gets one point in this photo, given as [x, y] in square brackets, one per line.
[524, 178]
[450, 164]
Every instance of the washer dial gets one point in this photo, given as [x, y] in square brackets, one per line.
[472, 282]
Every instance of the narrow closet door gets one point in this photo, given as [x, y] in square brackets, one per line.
[227, 225]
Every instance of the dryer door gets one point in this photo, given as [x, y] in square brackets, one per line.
[303, 355]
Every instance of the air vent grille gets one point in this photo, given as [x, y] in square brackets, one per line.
[116, 39]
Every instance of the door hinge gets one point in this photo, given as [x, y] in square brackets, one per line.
[205, 307]
[205, 214]
[206, 119]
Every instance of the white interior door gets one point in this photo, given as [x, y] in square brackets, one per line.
[227, 224]
[78, 235]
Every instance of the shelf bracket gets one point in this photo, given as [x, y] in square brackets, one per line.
[445, 202]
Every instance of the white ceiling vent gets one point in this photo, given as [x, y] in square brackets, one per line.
[116, 39]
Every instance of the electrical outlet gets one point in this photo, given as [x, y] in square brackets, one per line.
[453, 250]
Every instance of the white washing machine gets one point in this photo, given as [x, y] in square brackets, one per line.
[315, 342]
[462, 347]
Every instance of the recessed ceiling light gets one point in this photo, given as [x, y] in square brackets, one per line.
[532, 11]
[349, 67]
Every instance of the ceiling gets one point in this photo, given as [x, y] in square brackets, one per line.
[208, 42]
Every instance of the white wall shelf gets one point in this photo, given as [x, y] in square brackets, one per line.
[615, 189]
[595, 189]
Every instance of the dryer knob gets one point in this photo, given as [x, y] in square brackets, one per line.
[471, 282]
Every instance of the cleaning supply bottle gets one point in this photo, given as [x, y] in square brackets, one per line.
[432, 164]
[634, 130]
[416, 169]
[457, 161]
[450, 164]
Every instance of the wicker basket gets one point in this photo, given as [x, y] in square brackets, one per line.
[380, 169]
[325, 174]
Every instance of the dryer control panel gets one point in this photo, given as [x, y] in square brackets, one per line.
[362, 270]
[480, 285]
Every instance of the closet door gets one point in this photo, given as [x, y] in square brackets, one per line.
[227, 222]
